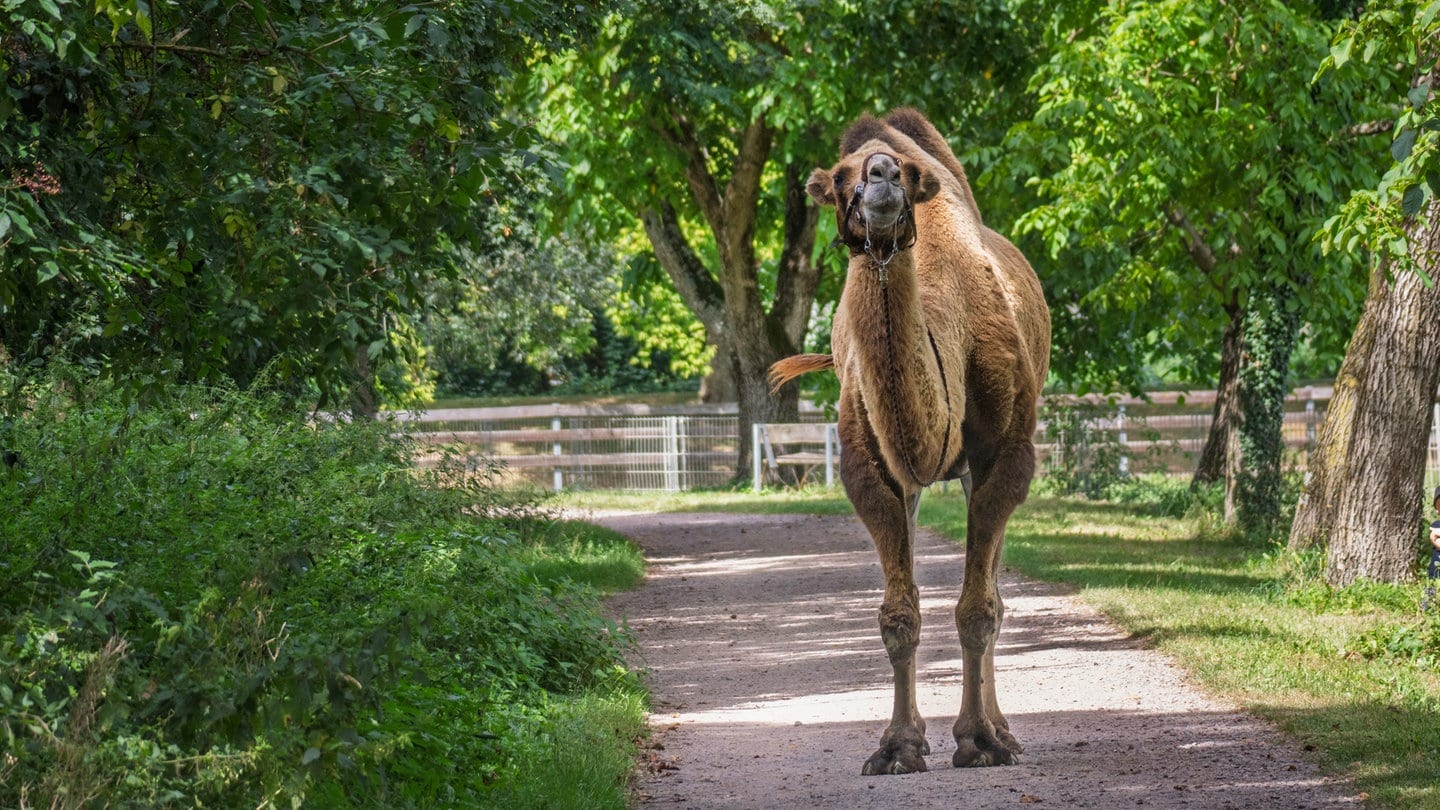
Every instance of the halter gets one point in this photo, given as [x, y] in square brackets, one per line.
[853, 209]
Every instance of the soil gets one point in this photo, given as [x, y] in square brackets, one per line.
[770, 686]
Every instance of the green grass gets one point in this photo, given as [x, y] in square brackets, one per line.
[810, 500]
[1248, 627]
[1351, 674]
[571, 550]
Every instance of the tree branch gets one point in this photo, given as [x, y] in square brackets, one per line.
[799, 274]
[701, 293]
[742, 198]
[703, 186]
[1195, 244]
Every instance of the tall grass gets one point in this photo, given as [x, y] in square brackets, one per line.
[213, 600]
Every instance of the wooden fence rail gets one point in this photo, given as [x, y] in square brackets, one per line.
[677, 447]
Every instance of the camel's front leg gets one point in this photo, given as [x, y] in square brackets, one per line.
[891, 522]
[982, 735]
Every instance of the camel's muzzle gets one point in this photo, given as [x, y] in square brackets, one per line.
[881, 210]
[884, 198]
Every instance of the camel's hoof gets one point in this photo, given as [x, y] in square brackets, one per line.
[978, 753]
[898, 757]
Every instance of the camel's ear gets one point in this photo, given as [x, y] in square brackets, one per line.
[924, 184]
[820, 187]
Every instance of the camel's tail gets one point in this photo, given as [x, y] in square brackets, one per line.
[791, 367]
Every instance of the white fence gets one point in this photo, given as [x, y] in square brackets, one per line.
[674, 448]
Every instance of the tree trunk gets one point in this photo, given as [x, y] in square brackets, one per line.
[1365, 495]
[720, 384]
[748, 338]
[1271, 328]
[364, 404]
[1227, 408]
[1324, 470]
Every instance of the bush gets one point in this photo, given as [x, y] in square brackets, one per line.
[214, 600]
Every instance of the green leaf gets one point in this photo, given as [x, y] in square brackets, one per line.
[1340, 51]
[1418, 95]
[1412, 201]
[310, 755]
[1403, 144]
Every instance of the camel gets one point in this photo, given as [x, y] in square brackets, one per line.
[941, 342]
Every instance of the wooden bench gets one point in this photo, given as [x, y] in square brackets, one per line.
[766, 437]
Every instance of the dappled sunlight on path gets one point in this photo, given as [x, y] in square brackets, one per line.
[771, 686]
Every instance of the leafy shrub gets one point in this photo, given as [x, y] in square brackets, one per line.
[1086, 461]
[214, 600]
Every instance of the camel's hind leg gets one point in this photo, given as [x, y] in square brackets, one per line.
[982, 735]
[890, 517]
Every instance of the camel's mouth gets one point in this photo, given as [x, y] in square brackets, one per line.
[879, 217]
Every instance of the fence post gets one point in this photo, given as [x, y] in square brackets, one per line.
[683, 425]
[755, 454]
[830, 431]
[1124, 440]
[672, 450]
[1310, 419]
[559, 475]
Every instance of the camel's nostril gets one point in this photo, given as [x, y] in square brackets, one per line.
[882, 169]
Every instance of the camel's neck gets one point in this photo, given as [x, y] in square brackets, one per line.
[902, 375]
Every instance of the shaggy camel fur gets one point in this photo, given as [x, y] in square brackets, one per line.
[941, 343]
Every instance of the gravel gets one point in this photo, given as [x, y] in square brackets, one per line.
[770, 685]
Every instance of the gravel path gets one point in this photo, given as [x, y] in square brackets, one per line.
[771, 687]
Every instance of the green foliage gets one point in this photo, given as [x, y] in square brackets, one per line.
[610, 365]
[1085, 460]
[252, 186]
[524, 311]
[215, 600]
[1179, 158]
[669, 89]
[1374, 219]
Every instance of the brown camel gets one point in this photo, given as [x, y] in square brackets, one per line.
[941, 343]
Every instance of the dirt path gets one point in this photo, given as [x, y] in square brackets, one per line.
[771, 686]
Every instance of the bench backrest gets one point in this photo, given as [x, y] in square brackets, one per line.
[794, 432]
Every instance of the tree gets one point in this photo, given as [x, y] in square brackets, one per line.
[1362, 498]
[701, 123]
[254, 186]
[1182, 161]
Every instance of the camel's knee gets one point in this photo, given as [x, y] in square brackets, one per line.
[978, 621]
[900, 630]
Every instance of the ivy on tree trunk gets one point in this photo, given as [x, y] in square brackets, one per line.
[1271, 327]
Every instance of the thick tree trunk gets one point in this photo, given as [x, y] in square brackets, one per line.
[1364, 496]
[1325, 468]
[720, 384]
[1227, 408]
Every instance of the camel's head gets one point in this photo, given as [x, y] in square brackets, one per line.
[874, 190]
